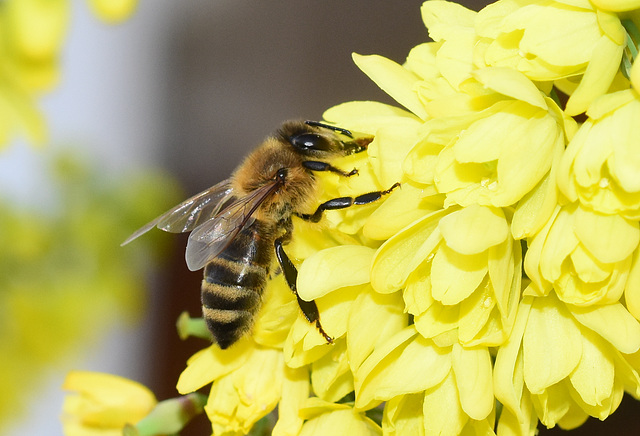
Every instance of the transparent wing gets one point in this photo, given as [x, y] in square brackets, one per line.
[214, 235]
[190, 213]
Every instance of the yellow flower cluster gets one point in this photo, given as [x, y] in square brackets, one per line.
[32, 33]
[500, 286]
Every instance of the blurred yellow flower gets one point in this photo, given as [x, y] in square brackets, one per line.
[104, 403]
[63, 279]
[113, 11]
[32, 34]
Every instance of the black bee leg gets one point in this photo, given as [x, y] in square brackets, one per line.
[344, 202]
[323, 166]
[309, 308]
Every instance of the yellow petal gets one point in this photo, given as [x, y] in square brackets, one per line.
[443, 414]
[474, 378]
[624, 131]
[589, 269]
[598, 76]
[304, 344]
[295, 390]
[613, 322]
[617, 5]
[422, 61]
[512, 83]
[455, 276]
[455, 57]
[393, 79]
[557, 35]
[403, 416]
[535, 256]
[389, 149]
[104, 400]
[334, 268]
[608, 406]
[535, 208]
[392, 368]
[212, 362]
[331, 378]
[400, 255]
[553, 403]
[609, 103]
[372, 311]
[437, 319]
[548, 356]
[340, 422]
[593, 377]
[508, 380]
[445, 19]
[505, 263]
[521, 168]
[368, 116]
[279, 311]
[558, 244]
[241, 398]
[402, 207]
[632, 288]
[460, 229]
[610, 238]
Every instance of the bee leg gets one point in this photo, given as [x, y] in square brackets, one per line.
[323, 166]
[309, 308]
[344, 202]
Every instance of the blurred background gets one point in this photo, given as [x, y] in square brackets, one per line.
[141, 114]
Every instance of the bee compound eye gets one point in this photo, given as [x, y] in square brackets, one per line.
[310, 141]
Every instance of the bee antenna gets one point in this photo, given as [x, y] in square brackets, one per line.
[327, 126]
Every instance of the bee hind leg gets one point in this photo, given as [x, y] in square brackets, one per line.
[309, 308]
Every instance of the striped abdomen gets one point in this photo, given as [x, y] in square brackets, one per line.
[233, 284]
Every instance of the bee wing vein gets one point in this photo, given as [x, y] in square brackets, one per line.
[210, 238]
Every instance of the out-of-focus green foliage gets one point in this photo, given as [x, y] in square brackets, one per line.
[64, 278]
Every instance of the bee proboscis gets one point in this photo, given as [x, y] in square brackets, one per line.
[238, 225]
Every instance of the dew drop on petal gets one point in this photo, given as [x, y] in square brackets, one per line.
[486, 302]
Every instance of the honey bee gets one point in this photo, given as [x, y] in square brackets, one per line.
[238, 225]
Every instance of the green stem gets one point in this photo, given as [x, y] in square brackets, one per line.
[631, 49]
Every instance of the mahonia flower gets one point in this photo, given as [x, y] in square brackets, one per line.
[105, 404]
[499, 287]
[32, 34]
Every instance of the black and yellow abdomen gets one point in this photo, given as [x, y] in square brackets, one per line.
[234, 282]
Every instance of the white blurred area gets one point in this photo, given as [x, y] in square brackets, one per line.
[109, 103]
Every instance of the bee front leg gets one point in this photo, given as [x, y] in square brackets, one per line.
[324, 166]
[344, 202]
[309, 308]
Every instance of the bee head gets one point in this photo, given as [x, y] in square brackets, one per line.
[312, 138]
